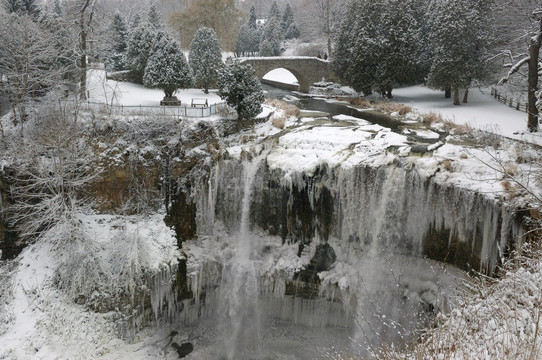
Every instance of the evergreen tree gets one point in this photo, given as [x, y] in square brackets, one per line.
[57, 8]
[266, 49]
[274, 12]
[205, 57]
[241, 89]
[377, 45]
[292, 32]
[154, 18]
[141, 45]
[136, 22]
[27, 7]
[118, 33]
[460, 36]
[287, 18]
[167, 68]
[252, 17]
[272, 33]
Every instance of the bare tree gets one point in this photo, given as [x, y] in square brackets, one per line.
[27, 62]
[323, 15]
[49, 172]
[524, 20]
[86, 13]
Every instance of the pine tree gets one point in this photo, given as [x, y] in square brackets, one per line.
[460, 36]
[242, 90]
[292, 32]
[252, 17]
[272, 33]
[287, 18]
[377, 45]
[136, 22]
[118, 42]
[141, 45]
[266, 49]
[274, 12]
[154, 18]
[205, 57]
[167, 68]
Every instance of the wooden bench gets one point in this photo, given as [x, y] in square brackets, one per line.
[200, 102]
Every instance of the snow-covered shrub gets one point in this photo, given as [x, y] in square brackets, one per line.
[48, 173]
[112, 263]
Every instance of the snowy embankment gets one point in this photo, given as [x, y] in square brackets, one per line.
[38, 321]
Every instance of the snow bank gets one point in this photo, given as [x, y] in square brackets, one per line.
[46, 323]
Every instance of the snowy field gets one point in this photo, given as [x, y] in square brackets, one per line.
[114, 92]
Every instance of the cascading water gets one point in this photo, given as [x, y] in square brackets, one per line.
[297, 266]
[239, 288]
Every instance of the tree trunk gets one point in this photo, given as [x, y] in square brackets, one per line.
[534, 50]
[83, 60]
[388, 93]
[456, 96]
[466, 96]
[448, 93]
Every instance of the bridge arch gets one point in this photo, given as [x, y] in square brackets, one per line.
[307, 70]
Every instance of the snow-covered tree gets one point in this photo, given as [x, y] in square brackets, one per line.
[27, 7]
[523, 30]
[141, 45]
[29, 62]
[287, 18]
[118, 37]
[167, 68]
[376, 46]
[154, 18]
[205, 57]
[272, 33]
[241, 88]
[248, 41]
[266, 49]
[136, 22]
[49, 177]
[461, 33]
[292, 32]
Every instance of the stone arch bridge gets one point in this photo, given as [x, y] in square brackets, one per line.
[306, 69]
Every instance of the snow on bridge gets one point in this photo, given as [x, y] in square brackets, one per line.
[306, 69]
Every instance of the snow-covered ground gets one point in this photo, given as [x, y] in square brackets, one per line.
[481, 112]
[114, 92]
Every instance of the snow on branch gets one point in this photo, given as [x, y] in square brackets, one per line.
[514, 69]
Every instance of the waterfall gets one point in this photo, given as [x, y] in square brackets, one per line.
[239, 288]
[340, 248]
